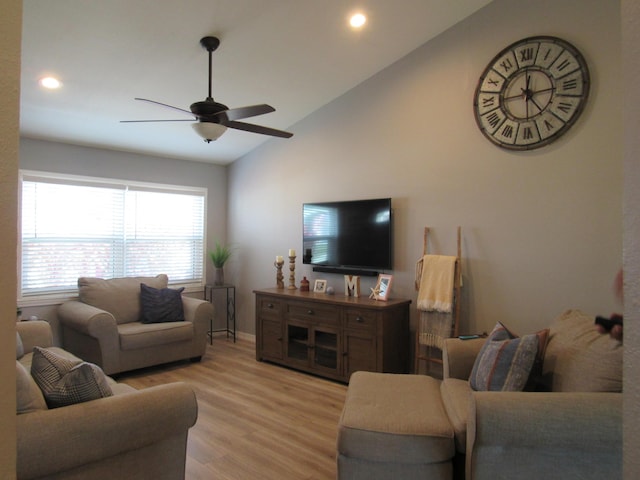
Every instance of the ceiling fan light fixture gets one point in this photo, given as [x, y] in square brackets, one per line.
[209, 131]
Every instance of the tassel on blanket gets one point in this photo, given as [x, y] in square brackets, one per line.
[434, 328]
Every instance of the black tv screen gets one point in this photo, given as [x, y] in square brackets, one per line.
[354, 234]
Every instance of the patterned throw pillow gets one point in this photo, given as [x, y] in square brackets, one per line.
[160, 304]
[504, 362]
[65, 382]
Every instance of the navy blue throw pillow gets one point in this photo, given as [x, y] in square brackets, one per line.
[160, 304]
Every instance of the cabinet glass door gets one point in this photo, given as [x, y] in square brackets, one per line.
[325, 349]
[297, 342]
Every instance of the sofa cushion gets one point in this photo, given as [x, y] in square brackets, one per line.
[118, 296]
[504, 362]
[65, 382]
[160, 304]
[579, 358]
[28, 396]
[136, 335]
[456, 395]
[19, 347]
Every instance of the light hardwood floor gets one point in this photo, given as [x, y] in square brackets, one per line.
[255, 420]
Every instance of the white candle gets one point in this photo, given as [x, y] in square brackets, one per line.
[279, 259]
[292, 252]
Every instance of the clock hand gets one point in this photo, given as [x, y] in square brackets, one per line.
[550, 89]
[527, 93]
[535, 103]
[532, 94]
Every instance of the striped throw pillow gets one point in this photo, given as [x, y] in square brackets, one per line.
[504, 362]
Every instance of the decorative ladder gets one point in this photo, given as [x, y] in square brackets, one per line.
[429, 355]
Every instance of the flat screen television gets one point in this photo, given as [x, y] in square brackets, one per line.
[349, 236]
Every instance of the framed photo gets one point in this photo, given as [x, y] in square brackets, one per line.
[383, 287]
[320, 286]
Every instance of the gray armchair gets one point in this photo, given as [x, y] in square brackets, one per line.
[570, 429]
[103, 326]
[134, 434]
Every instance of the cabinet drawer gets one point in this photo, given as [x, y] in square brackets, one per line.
[359, 318]
[269, 307]
[328, 314]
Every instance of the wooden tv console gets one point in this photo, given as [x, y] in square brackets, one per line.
[332, 335]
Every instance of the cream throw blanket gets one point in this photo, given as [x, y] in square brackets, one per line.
[435, 298]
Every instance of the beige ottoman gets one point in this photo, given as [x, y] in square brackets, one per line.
[394, 426]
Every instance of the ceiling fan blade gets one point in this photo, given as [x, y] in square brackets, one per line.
[249, 127]
[143, 121]
[250, 111]
[182, 110]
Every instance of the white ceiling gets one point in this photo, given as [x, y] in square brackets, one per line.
[296, 55]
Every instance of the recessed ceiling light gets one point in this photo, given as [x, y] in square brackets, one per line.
[50, 82]
[357, 20]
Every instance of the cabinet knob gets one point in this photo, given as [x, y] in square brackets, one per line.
[359, 319]
[309, 312]
[269, 305]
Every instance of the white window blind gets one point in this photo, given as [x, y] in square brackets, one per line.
[73, 227]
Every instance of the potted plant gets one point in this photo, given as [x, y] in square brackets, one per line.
[219, 257]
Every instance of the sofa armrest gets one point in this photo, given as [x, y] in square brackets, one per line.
[538, 435]
[35, 333]
[91, 334]
[200, 312]
[458, 357]
[87, 319]
[57, 440]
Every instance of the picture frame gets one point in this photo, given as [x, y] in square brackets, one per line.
[383, 287]
[320, 286]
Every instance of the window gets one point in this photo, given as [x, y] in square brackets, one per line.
[77, 226]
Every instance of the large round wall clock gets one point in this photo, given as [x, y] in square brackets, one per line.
[531, 93]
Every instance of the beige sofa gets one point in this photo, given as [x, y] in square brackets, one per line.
[133, 434]
[104, 326]
[571, 429]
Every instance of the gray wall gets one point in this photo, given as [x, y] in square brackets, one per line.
[542, 230]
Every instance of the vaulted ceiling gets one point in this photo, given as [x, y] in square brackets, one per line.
[296, 55]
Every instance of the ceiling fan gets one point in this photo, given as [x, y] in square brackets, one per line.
[214, 118]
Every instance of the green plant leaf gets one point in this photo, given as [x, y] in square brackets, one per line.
[220, 255]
